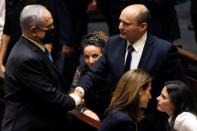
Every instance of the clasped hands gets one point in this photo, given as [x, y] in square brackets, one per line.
[78, 95]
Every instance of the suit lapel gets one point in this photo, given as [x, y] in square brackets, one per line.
[121, 56]
[36, 49]
[146, 54]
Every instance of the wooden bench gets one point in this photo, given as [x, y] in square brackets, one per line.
[88, 120]
[189, 62]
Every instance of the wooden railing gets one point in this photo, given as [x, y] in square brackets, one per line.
[188, 55]
[190, 66]
[85, 118]
[189, 63]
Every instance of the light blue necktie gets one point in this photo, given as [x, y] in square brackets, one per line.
[48, 54]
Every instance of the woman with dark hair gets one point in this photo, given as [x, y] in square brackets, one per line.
[178, 102]
[97, 98]
[131, 95]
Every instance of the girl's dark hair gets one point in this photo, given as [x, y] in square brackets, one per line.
[97, 39]
[181, 97]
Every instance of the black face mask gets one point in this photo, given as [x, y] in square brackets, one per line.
[49, 36]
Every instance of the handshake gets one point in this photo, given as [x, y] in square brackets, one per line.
[77, 95]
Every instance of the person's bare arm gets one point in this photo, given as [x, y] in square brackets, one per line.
[3, 48]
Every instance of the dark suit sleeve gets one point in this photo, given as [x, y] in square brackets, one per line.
[33, 74]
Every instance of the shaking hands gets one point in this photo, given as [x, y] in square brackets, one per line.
[77, 95]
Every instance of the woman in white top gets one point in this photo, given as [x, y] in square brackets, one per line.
[177, 100]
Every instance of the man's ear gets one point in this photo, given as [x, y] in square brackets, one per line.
[143, 26]
[33, 30]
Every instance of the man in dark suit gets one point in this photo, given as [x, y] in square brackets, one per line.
[33, 86]
[12, 31]
[156, 56]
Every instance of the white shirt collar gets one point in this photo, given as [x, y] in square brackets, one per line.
[36, 43]
[139, 43]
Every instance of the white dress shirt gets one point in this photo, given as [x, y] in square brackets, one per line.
[186, 121]
[137, 53]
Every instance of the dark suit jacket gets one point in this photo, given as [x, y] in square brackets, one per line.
[159, 58]
[33, 91]
[12, 19]
[117, 121]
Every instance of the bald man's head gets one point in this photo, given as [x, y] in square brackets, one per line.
[134, 21]
[139, 11]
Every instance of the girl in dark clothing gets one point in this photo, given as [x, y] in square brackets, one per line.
[98, 97]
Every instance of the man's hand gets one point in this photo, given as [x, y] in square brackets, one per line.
[79, 91]
[91, 114]
[77, 95]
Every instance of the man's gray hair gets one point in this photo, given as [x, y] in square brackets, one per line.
[32, 15]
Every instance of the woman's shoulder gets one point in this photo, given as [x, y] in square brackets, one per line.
[186, 121]
[117, 121]
[119, 114]
[119, 117]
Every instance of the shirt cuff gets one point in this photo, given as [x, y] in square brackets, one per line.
[76, 98]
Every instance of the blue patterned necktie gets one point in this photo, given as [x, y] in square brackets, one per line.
[129, 58]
